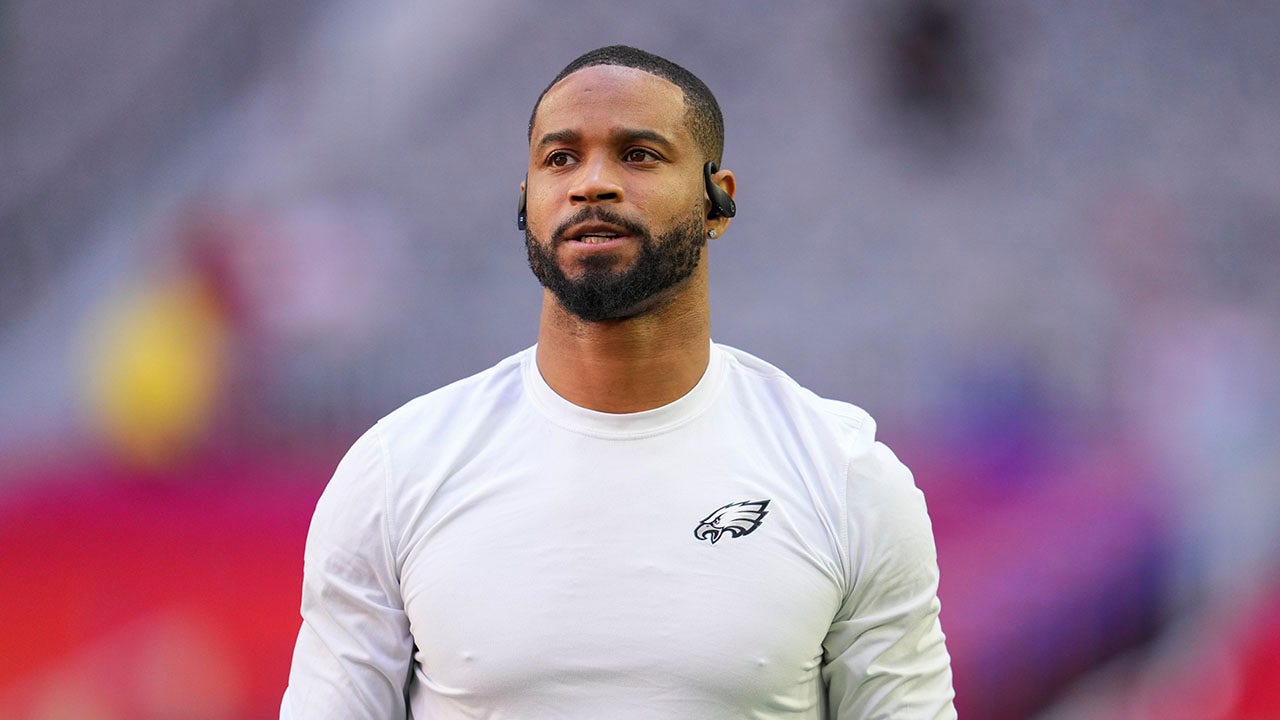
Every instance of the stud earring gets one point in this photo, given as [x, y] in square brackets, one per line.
[711, 233]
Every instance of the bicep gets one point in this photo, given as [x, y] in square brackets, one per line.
[354, 650]
[885, 655]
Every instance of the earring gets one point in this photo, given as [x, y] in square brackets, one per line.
[711, 233]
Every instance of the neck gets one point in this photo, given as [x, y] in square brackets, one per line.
[629, 365]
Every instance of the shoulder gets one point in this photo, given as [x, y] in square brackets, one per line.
[837, 436]
[427, 430]
[493, 386]
[385, 466]
[876, 484]
[770, 390]
[461, 407]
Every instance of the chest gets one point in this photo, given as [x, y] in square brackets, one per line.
[579, 572]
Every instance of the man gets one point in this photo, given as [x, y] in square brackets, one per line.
[626, 520]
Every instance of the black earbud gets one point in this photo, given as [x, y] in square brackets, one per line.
[520, 209]
[721, 204]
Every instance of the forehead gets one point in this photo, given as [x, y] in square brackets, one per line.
[610, 96]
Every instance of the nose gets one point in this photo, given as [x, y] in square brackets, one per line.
[595, 183]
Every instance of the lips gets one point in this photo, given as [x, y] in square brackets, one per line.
[594, 233]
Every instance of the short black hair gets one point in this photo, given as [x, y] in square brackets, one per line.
[702, 112]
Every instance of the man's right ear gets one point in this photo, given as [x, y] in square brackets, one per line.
[521, 214]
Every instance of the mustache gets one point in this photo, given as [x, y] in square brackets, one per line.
[602, 215]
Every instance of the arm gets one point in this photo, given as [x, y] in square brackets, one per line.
[354, 651]
[885, 655]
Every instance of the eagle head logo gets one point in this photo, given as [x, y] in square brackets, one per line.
[736, 519]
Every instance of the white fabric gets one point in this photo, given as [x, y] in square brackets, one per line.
[492, 551]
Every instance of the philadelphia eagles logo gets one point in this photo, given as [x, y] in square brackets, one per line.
[736, 519]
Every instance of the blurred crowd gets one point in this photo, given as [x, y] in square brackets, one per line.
[1039, 243]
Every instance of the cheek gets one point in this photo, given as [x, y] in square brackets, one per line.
[539, 207]
[671, 207]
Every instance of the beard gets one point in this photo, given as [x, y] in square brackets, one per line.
[603, 293]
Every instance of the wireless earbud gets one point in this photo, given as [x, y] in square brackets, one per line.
[721, 204]
[520, 209]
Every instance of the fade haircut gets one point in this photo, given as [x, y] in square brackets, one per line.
[702, 112]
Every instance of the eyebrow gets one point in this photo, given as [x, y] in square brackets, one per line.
[560, 136]
[619, 136]
[632, 134]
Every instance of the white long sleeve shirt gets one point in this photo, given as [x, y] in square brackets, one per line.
[491, 550]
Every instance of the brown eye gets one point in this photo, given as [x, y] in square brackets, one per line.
[560, 159]
[640, 155]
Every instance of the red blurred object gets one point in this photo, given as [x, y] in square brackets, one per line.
[140, 600]
[1259, 697]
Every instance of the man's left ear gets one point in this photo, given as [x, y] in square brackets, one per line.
[720, 191]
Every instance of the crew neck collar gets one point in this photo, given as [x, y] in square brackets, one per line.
[622, 426]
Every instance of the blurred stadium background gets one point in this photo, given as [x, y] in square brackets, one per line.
[1040, 242]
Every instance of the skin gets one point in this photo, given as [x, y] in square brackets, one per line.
[616, 137]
